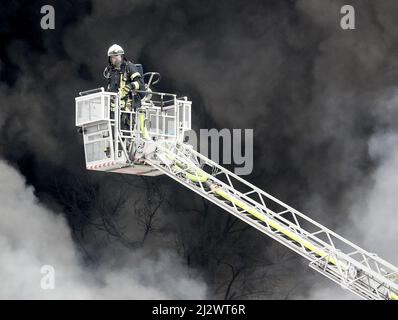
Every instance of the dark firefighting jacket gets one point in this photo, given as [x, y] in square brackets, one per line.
[128, 78]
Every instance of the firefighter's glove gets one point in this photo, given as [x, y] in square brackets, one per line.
[125, 91]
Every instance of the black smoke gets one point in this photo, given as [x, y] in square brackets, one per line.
[311, 91]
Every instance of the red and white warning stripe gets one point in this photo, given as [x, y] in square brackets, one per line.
[101, 166]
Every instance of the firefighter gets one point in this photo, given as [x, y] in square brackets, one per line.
[124, 77]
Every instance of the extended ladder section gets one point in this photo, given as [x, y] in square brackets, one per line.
[355, 269]
[153, 144]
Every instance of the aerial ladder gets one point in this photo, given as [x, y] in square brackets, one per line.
[150, 141]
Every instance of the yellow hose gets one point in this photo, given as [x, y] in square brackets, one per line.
[307, 244]
[143, 128]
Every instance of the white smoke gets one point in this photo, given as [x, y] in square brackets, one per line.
[373, 219]
[375, 216]
[32, 236]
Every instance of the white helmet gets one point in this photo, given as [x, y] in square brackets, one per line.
[115, 50]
